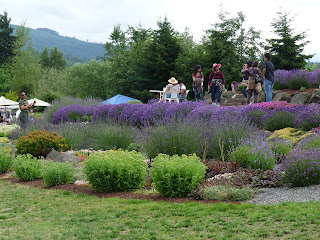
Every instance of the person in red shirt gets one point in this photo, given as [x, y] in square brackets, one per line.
[216, 84]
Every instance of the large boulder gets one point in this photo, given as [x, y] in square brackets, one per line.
[262, 97]
[56, 156]
[301, 98]
[315, 98]
[275, 92]
[227, 94]
[282, 96]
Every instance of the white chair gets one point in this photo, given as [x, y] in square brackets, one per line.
[174, 96]
[163, 95]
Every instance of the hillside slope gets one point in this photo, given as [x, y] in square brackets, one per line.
[71, 47]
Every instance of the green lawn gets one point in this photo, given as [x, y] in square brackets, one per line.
[29, 213]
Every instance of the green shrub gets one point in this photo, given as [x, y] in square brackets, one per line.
[312, 142]
[27, 167]
[279, 119]
[281, 149]
[40, 143]
[256, 157]
[225, 193]
[134, 102]
[134, 147]
[107, 137]
[55, 173]
[6, 159]
[177, 176]
[240, 88]
[114, 171]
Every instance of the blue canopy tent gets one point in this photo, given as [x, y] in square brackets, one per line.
[118, 99]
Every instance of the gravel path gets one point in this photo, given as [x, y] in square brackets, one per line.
[284, 194]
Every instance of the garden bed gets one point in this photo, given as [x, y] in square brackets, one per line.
[39, 183]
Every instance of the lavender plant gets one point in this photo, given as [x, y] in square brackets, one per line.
[302, 167]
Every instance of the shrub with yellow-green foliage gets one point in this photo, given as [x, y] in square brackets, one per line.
[6, 159]
[114, 171]
[291, 134]
[177, 176]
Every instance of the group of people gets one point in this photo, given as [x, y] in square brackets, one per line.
[253, 79]
[252, 82]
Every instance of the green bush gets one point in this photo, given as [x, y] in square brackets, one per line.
[225, 193]
[107, 137]
[40, 143]
[281, 149]
[177, 176]
[256, 157]
[6, 159]
[279, 119]
[240, 88]
[114, 171]
[55, 173]
[27, 167]
[134, 147]
[312, 142]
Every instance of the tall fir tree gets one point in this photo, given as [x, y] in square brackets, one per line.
[57, 59]
[287, 49]
[7, 38]
[164, 49]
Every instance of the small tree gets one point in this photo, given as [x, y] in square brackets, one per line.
[25, 68]
[287, 48]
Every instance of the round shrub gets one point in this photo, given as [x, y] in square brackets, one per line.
[6, 159]
[302, 167]
[177, 176]
[311, 141]
[40, 143]
[308, 118]
[114, 171]
[27, 167]
[281, 149]
[256, 157]
[279, 118]
[55, 173]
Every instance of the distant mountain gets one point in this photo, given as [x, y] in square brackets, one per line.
[74, 50]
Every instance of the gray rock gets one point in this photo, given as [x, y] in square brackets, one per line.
[62, 157]
[315, 98]
[282, 96]
[227, 94]
[53, 155]
[275, 92]
[301, 98]
[262, 97]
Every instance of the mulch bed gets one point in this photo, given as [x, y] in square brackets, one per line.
[291, 92]
[38, 183]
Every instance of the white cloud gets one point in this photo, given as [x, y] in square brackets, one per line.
[93, 20]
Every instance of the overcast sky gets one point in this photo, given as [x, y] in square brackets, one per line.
[93, 20]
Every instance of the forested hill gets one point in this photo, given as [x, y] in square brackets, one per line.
[74, 50]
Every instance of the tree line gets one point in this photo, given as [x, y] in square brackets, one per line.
[139, 59]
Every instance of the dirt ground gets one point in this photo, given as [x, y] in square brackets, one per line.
[38, 183]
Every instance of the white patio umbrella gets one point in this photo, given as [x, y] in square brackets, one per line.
[8, 103]
[39, 103]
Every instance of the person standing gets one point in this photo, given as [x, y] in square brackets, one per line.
[245, 80]
[198, 80]
[216, 84]
[255, 81]
[268, 76]
[24, 106]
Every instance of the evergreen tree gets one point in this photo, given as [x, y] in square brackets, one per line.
[54, 59]
[25, 68]
[6, 38]
[45, 58]
[57, 60]
[287, 48]
[163, 51]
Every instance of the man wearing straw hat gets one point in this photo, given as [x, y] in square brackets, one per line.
[172, 86]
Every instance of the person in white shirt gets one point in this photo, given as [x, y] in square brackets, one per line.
[183, 91]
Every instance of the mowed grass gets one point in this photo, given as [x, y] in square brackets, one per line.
[30, 213]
